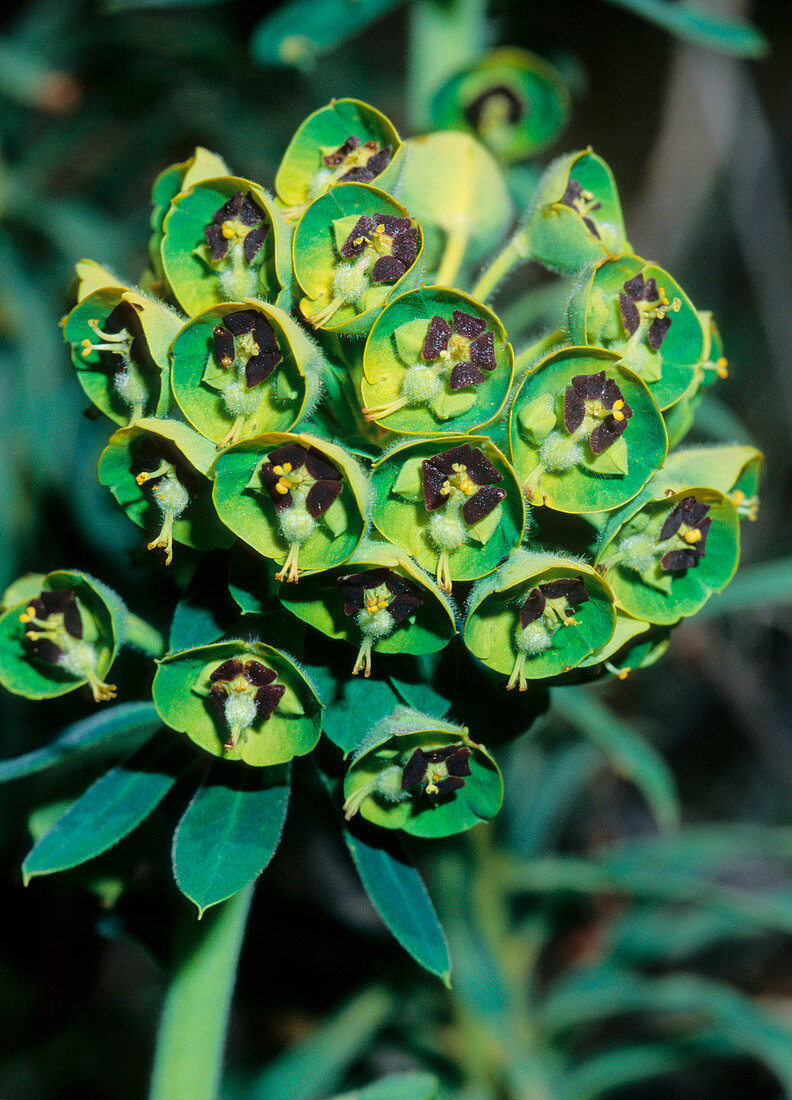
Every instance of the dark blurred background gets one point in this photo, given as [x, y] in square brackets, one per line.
[701, 146]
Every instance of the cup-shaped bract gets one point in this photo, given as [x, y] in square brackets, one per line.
[347, 141]
[379, 601]
[157, 470]
[577, 215]
[510, 99]
[453, 503]
[239, 700]
[244, 368]
[715, 365]
[119, 341]
[538, 616]
[458, 192]
[585, 433]
[354, 249]
[733, 469]
[62, 635]
[635, 644]
[639, 311]
[294, 498]
[202, 165]
[666, 551]
[436, 361]
[225, 240]
[422, 775]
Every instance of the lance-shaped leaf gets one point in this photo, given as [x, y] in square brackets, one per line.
[119, 342]
[244, 368]
[346, 141]
[639, 311]
[585, 433]
[436, 361]
[474, 515]
[63, 637]
[397, 1086]
[224, 241]
[229, 832]
[202, 165]
[379, 601]
[108, 811]
[511, 100]
[239, 700]
[157, 471]
[423, 775]
[539, 615]
[666, 551]
[311, 526]
[354, 249]
[576, 216]
[294, 34]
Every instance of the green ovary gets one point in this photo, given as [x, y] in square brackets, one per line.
[638, 552]
[534, 639]
[239, 401]
[420, 384]
[559, 453]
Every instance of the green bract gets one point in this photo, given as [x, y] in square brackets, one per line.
[354, 248]
[119, 342]
[225, 240]
[239, 700]
[452, 502]
[423, 775]
[576, 216]
[458, 193]
[244, 368]
[732, 469]
[586, 434]
[665, 552]
[202, 165]
[379, 601]
[512, 100]
[294, 498]
[715, 365]
[157, 471]
[633, 644]
[346, 141]
[436, 361]
[637, 310]
[63, 634]
[539, 615]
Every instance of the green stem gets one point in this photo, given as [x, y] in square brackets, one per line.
[192, 1031]
[139, 634]
[537, 350]
[452, 257]
[444, 36]
[517, 251]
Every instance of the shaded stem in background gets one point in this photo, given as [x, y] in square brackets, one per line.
[144, 637]
[452, 257]
[537, 351]
[192, 1031]
[444, 36]
[517, 251]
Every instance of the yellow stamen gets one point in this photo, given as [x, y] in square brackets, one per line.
[721, 367]
[616, 411]
[228, 231]
[693, 535]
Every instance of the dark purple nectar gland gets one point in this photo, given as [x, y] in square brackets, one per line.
[583, 203]
[115, 340]
[433, 775]
[302, 484]
[380, 600]
[495, 108]
[234, 239]
[547, 609]
[165, 489]
[55, 635]
[378, 252]
[679, 545]
[246, 346]
[353, 161]
[461, 354]
[245, 693]
[596, 413]
[459, 488]
[643, 310]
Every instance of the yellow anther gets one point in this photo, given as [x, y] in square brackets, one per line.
[738, 497]
[382, 605]
[25, 617]
[625, 672]
[380, 229]
[616, 411]
[722, 367]
[278, 470]
[282, 487]
[693, 535]
[572, 622]
[676, 305]
[445, 489]
[432, 788]
[228, 231]
[358, 241]
[33, 635]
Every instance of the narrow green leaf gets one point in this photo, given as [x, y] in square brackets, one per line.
[110, 809]
[229, 832]
[121, 729]
[693, 24]
[399, 1086]
[397, 892]
[312, 1068]
[296, 32]
[627, 749]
